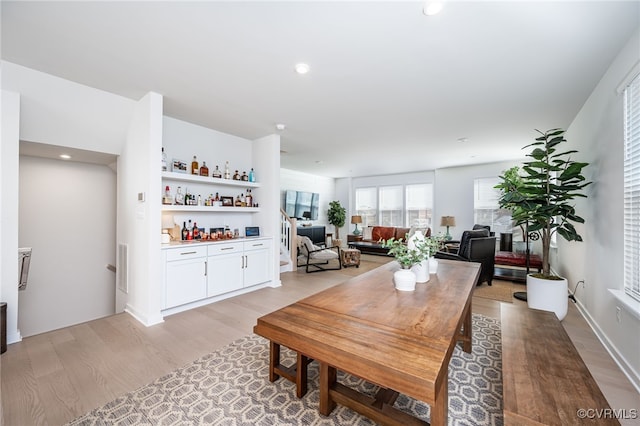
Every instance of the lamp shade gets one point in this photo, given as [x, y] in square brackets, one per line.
[448, 221]
[356, 219]
[167, 221]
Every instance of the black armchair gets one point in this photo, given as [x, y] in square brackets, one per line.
[476, 246]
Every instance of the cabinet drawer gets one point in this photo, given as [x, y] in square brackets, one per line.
[257, 245]
[225, 248]
[186, 253]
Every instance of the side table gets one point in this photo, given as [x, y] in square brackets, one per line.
[350, 257]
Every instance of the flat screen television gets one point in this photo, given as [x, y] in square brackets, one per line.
[302, 204]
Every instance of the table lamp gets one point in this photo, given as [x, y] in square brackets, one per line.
[167, 223]
[356, 220]
[448, 221]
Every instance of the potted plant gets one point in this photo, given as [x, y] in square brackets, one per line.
[543, 202]
[336, 216]
[511, 183]
[405, 279]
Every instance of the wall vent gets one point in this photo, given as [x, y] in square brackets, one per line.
[122, 268]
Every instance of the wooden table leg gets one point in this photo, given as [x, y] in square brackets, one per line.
[328, 376]
[466, 345]
[274, 360]
[301, 375]
[440, 407]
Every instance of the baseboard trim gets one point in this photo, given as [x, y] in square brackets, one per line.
[620, 360]
[145, 320]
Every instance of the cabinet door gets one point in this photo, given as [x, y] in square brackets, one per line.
[224, 273]
[257, 267]
[186, 281]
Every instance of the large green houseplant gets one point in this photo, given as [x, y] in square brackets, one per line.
[543, 199]
[336, 216]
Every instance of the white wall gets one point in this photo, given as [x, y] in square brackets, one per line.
[10, 116]
[183, 140]
[67, 215]
[597, 132]
[60, 112]
[453, 193]
[266, 161]
[299, 181]
[139, 222]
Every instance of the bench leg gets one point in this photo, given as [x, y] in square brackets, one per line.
[301, 375]
[274, 361]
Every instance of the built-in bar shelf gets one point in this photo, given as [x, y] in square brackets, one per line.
[184, 177]
[180, 208]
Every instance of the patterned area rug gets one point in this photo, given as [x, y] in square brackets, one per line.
[502, 291]
[230, 387]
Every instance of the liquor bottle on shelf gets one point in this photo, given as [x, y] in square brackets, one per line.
[236, 176]
[243, 200]
[179, 197]
[217, 197]
[190, 231]
[216, 173]
[164, 160]
[199, 200]
[249, 198]
[244, 177]
[194, 166]
[185, 231]
[227, 173]
[252, 175]
[167, 199]
[196, 231]
[238, 203]
[204, 170]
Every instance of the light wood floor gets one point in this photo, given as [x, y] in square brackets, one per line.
[54, 377]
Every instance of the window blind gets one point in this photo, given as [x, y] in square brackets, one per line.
[632, 188]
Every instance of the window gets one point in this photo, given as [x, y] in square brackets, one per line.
[391, 206]
[632, 188]
[395, 205]
[419, 202]
[367, 205]
[486, 210]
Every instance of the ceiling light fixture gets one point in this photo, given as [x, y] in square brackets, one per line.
[65, 156]
[302, 68]
[280, 127]
[432, 8]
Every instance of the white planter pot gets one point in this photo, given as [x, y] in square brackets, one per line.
[422, 271]
[548, 295]
[433, 265]
[405, 280]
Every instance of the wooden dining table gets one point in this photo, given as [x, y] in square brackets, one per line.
[399, 341]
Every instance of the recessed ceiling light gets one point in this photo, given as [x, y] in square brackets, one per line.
[65, 156]
[463, 140]
[302, 68]
[280, 126]
[432, 8]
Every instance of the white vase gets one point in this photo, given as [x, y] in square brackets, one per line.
[433, 265]
[405, 280]
[422, 271]
[548, 295]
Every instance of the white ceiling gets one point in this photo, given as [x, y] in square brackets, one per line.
[390, 90]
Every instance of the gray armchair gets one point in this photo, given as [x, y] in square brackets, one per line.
[476, 246]
[315, 258]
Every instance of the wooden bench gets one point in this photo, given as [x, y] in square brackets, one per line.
[545, 381]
